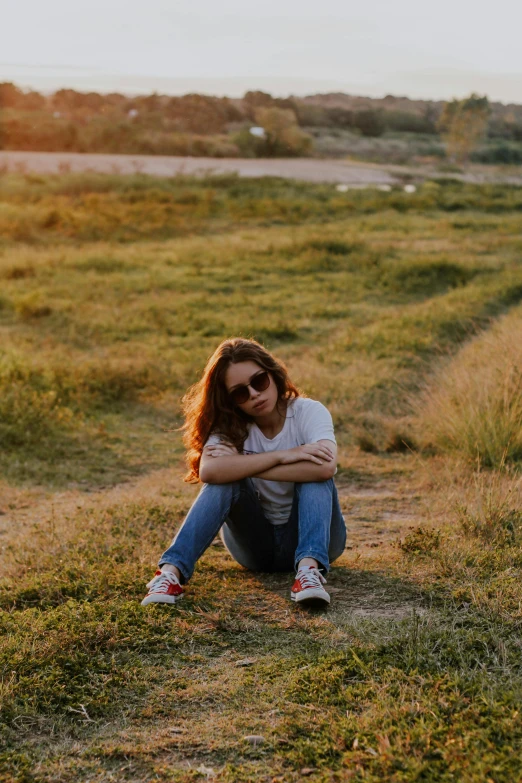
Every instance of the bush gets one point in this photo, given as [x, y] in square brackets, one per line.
[474, 406]
[499, 152]
[283, 137]
[408, 122]
[201, 113]
[313, 116]
[41, 131]
[369, 122]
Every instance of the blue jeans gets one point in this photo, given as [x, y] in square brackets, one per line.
[315, 528]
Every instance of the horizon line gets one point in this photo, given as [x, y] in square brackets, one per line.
[89, 79]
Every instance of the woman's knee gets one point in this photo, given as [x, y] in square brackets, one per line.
[221, 489]
[328, 482]
[314, 487]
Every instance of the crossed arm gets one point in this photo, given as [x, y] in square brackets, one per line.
[222, 464]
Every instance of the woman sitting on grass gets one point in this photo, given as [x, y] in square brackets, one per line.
[267, 457]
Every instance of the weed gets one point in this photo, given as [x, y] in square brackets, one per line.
[494, 514]
[399, 441]
[365, 441]
[422, 540]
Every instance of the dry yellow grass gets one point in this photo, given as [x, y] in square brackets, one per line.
[474, 405]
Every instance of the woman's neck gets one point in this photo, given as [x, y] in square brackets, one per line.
[272, 423]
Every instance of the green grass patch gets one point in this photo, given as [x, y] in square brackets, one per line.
[107, 334]
[389, 698]
[93, 207]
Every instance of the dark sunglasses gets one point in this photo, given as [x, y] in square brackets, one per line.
[241, 394]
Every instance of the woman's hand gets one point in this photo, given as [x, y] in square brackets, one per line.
[311, 452]
[221, 450]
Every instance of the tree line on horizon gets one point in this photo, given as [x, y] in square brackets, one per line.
[196, 124]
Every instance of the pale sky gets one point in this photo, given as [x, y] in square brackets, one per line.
[370, 47]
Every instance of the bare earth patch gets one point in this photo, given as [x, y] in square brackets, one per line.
[167, 166]
[347, 172]
[380, 506]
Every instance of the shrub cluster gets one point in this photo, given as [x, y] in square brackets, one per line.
[204, 125]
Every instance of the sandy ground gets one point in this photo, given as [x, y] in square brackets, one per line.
[294, 168]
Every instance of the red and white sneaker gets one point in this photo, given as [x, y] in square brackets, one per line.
[308, 587]
[165, 588]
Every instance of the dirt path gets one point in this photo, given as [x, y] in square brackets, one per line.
[23, 509]
[380, 498]
[166, 166]
[378, 508]
[355, 175]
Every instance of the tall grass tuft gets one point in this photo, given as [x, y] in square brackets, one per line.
[493, 512]
[473, 407]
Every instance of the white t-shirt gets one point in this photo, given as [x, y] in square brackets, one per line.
[307, 421]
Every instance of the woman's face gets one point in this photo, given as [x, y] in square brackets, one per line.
[259, 403]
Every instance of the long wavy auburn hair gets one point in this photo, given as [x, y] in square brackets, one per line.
[207, 405]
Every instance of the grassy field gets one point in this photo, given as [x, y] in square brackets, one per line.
[402, 313]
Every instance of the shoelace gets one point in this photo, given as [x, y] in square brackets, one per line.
[311, 577]
[160, 583]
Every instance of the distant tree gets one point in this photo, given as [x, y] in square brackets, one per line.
[282, 133]
[33, 101]
[407, 121]
[254, 100]
[67, 100]
[10, 95]
[431, 116]
[505, 127]
[285, 103]
[516, 131]
[199, 113]
[340, 118]
[463, 124]
[311, 115]
[232, 111]
[498, 151]
[148, 103]
[115, 98]
[370, 122]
